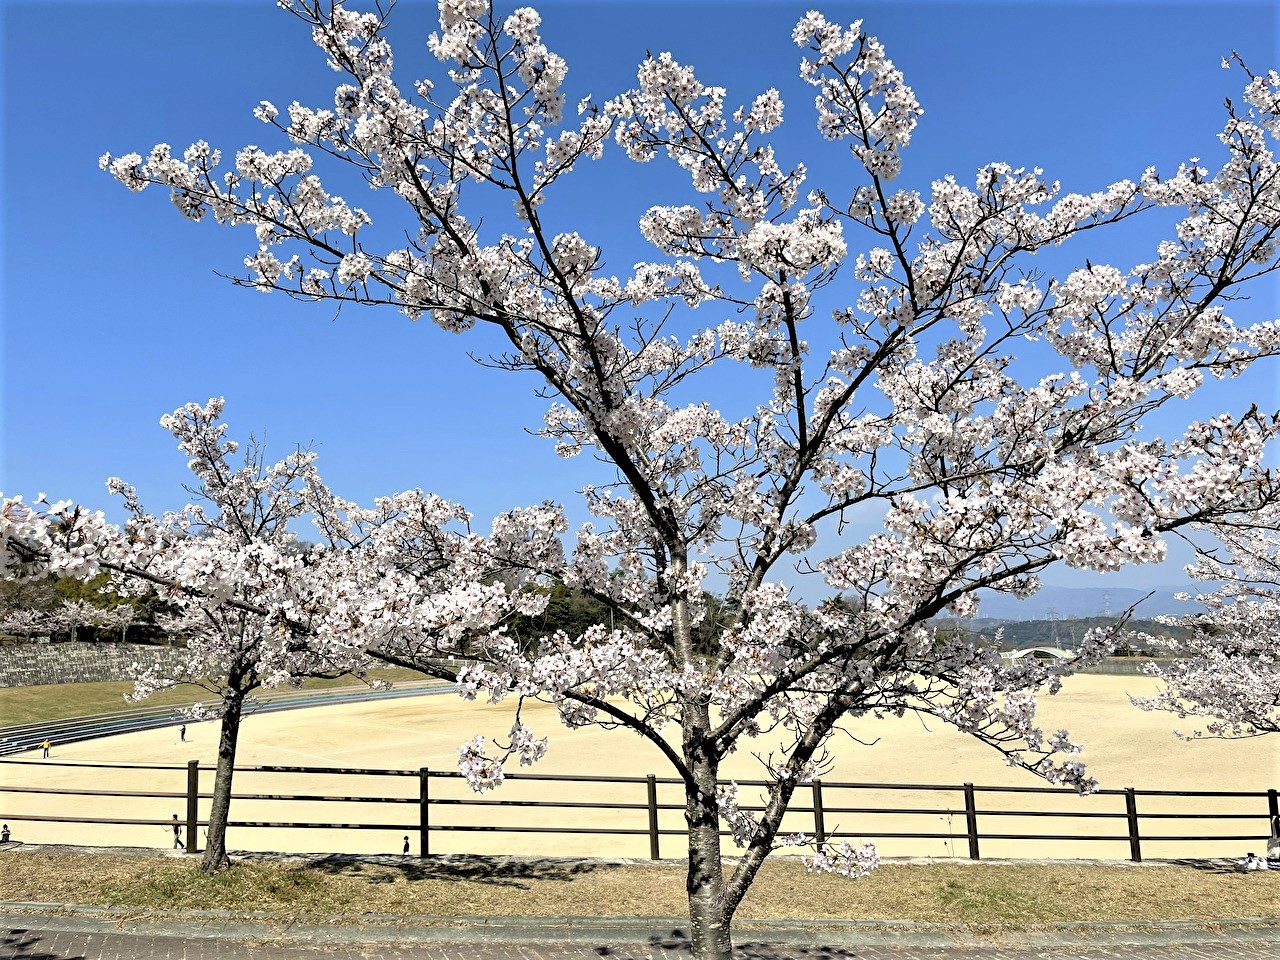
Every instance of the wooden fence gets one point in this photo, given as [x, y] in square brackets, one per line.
[435, 802]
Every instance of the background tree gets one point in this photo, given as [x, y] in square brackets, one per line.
[990, 465]
[76, 615]
[243, 595]
[55, 605]
[253, 607]
[118, 618]
[27, 623]
[35, 595]
[568, 609]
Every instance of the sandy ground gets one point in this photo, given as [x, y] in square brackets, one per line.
[1123, 747]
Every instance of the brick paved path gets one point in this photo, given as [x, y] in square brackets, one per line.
[44, 940]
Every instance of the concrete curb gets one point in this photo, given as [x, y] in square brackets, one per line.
[666, 931]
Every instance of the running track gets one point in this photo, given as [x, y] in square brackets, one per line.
[73, 730]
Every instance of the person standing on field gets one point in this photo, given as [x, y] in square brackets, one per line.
[45, 747]
[177, 833]
[182, 733]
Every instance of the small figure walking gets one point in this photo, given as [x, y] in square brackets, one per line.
[182, 733]
[45, 747]
[177, 833]
[406, 846]
[4, 834]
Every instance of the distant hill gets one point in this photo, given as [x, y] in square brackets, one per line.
[1064, 603]
[1051, 633]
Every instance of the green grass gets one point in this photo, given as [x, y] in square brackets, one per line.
[990, 897]
[59, 701]
[997, 901]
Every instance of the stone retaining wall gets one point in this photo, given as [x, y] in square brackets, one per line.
[33, 664]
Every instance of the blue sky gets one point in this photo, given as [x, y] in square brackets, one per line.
[114, 314]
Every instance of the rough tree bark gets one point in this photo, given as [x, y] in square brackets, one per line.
[215, 851]
[708, 916]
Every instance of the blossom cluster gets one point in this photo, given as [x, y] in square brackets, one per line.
[1224, 663]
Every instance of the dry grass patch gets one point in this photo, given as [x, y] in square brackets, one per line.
[986, 896]
[1017, 896]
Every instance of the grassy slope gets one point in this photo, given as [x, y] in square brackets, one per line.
[57, 701]
[985, 896]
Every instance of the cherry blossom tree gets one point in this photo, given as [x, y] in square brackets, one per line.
[32, 608]
[888, 337]
[26, 622]
[245, 596]
[70, 617]
[1228, 669]
[255, 609]
[74, 614]
[118, 618]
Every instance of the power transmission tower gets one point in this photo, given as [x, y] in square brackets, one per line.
[1053, 617]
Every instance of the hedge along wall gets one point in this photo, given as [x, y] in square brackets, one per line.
[33, 664]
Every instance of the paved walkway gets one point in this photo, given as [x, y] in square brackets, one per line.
[47, 936]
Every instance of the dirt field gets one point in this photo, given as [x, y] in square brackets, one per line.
[1124, 747]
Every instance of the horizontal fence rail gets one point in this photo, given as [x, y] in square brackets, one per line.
[978, 808]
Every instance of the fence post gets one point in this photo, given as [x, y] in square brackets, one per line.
[1131, 810]
[819, 816]
[424, 817]
[971, 820]
[1273, 813]
[652, 782]
[193, 805]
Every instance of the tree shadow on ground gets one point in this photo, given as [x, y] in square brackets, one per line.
[469, 868]
[677, 940]
[762, 951]
[25, 945]
[1209, 866]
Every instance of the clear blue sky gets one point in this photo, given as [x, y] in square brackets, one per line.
[113, 314]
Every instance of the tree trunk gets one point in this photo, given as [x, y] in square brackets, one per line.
[704, 884]
[708, 918]
[215, 851]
